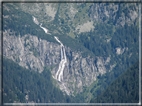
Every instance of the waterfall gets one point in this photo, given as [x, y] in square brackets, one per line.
[45, 30]
[36, 22]
[59, 74]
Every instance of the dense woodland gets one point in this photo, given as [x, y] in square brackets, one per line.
[95, 41]
[19, 82]
[125, 89]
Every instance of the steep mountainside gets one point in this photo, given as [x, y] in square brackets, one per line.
[35, 54]
[81, 44]
[124, 90]
[26, 86]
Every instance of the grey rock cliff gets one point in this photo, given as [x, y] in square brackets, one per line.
[34, 53]
[119, 14]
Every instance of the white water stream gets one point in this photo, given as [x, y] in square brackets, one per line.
[45, 30]
[36, 22]
[59, 73]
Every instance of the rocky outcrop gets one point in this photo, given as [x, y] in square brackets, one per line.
[34, 53]
[117, 13]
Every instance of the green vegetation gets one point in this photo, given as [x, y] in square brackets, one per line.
[22, 23]
[19, 82]
[95, 41]
[125, 89]
[123, 37]
[113, 89]
[82, 15]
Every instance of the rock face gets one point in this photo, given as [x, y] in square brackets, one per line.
[119, 14]
[34, 53]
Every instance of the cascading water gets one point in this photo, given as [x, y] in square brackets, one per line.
[36, 22]
[45, 30]
[59, 73]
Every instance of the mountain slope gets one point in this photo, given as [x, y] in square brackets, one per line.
[35, 51]
[23, 85]
[88, 45]
[125, 89]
